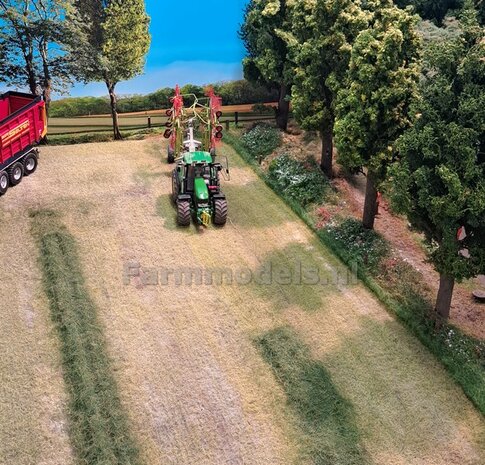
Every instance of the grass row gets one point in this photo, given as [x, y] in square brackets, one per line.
[98, 427]
[324, 416]
[107, 136]
[456, 351]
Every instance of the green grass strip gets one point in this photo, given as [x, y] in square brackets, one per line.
[324, 416]
[468, 373]
[100, 136]
[98, 426]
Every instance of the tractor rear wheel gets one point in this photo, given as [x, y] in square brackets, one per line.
[220, 212]
[3, 182]
[16, 173]
[30, 164]
[183, 213]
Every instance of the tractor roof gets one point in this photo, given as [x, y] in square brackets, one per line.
[197, 157]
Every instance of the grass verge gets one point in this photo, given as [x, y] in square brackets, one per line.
[456, 351]
[98, 426]
[90, 137]
[325, 417]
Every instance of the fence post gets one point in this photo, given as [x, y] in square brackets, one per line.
[236, 117]
[227, 125]
[149, 122]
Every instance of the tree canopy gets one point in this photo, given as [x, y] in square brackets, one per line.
[319, 47]
[439, 181]
[111, 41]
[33, 40]
[373, 108]
[267, 60]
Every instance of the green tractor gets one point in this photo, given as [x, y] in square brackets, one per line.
[196, 190]
[196, 186]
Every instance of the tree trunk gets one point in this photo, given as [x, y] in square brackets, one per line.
[443, 301]
[370, 204]
[30, 71]
[114, 112]
[47, 79]
[327, 150]
[283, 110]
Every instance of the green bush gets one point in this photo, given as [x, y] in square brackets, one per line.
[366, 247]
[262, 140]
[303, 183]
[463, 356]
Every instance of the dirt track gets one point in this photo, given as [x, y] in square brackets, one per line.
[195, 387]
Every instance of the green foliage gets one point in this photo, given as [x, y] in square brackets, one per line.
[439, 180]
[98, 425]
[262, 109]
[111, 39]
[432, 9]
[432, 33]
[262, 140]
[319, 45]
[403, 299]
[302, 182]
[267, 51]
[267, 60]
[373, 109]
[242, 92]
[33, 38]
[79, 106]
[324, 415]
[86, 138]
[110, 42]
[232, 93]
[366, 247]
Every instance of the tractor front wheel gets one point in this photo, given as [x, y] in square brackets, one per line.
[183, 213]
[220, 212]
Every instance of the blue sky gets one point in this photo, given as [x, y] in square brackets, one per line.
[193, 41]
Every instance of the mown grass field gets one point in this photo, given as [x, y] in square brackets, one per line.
[258, 373]
[132, 121]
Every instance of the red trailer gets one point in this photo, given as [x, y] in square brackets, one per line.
[23, 124]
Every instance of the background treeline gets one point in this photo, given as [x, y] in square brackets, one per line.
[232, 93]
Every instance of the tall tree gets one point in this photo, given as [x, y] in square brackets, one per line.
[319, 42]
[267, 60]
[373, 108]
[439, 180]
[33, 36]
[111, 41]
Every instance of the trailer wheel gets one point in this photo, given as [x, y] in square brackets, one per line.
[183, 213]
[3, 182]
[16, 173]
[30, 164]
[220, 212]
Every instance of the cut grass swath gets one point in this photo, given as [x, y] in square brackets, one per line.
[325, 417]
[469, 374]
[98, 426]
